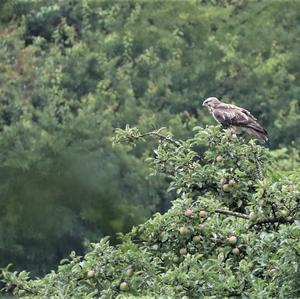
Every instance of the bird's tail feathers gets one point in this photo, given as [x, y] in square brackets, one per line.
[259, 132]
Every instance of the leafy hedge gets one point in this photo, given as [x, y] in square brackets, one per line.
[231, 232]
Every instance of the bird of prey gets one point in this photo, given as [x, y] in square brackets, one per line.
[231, 116]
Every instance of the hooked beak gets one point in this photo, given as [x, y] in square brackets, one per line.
[204, 104]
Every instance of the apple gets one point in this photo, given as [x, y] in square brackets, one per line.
[176, 259]
[284, 212]
[90, 273]
[226, 187]
[199, 246]
[183, 230]
[124, 286]
[196, 239]
[183, 251]
[250, 183]
[232, 240]
[231, 182]
[202, 214]
[202, 226]
[219, 158]
[188, 212]
[235, 251]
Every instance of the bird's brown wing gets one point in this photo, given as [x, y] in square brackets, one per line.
[230, 115]
[231, 107]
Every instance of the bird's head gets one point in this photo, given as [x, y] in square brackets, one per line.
[211, 102]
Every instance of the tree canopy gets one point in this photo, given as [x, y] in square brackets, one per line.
[231, 232]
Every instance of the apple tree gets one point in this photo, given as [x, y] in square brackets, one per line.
[233, 229]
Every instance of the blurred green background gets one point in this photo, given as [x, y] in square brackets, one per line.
[73, 71]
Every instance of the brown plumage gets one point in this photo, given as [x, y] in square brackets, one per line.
[233, 116]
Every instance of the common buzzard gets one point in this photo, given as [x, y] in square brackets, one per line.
[231, 116]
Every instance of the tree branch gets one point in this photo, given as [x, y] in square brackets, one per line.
[280, 220]
[230, 213]
[270, 220]
[160, 136]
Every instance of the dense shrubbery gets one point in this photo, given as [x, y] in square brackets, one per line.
[72, 71]
[232, 231]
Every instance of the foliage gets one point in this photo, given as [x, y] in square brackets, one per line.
[73, 71]
[232, 231]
